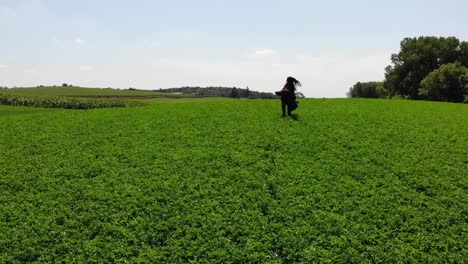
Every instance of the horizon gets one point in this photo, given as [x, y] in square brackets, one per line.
[154, 44]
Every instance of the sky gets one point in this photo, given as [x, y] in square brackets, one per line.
[152, 44]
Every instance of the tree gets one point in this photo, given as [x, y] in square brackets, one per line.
[417, 58]
[367, 90]
[463, 58]
[381, 91]
[300, 95]
[220, 91]
[64, 85]
[234, 93]
[448, 83]
[247, 92]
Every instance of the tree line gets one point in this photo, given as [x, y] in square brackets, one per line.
[212, 91]
[426, 68]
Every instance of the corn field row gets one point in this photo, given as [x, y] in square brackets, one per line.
[61, 102]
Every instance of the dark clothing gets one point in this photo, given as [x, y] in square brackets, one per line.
[288, 100]
[284, 104]
[288, 95]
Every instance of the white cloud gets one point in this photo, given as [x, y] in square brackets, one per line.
[264, 53]
[55, 41]
[29, 70]
[79, 41]
[3, 66]
[151, 44]
[86, 68]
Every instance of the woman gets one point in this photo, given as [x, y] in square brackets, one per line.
[288, 95]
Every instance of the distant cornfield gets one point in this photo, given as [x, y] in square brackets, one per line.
[61, 102]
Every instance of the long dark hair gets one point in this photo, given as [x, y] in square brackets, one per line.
[292, 83]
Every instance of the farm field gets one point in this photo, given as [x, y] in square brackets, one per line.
[79, 97]
[81, 92]
[229, 181]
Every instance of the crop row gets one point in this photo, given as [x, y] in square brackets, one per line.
[62, 102]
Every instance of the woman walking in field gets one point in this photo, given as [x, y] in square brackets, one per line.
[288, 95]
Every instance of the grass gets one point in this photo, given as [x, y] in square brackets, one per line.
[230, 181]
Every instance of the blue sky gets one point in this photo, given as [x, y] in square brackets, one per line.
[327, 45]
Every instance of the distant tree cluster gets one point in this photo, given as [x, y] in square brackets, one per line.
[367, 90]
[212, 91]
[428, 68]
[300, 95]
[447, 83]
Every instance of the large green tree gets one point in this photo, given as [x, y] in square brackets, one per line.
[448, 83]
[417, 58]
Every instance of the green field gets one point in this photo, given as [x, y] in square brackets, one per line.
[230, 181]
